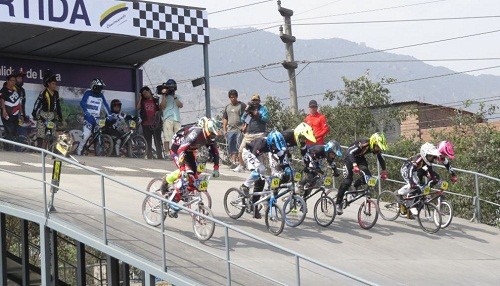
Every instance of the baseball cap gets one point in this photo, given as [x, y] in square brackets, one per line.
[313, 103]
[256, 97]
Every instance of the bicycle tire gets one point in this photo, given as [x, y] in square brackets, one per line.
[203, 228]
[388, 206]
[107, 145]
[446, 212]
[325, 211]
[429, 218]
[275, 221]
[294, 210]
[151, 210]
[367, 214]
[207, 199]
[137, 147]
[234, 199]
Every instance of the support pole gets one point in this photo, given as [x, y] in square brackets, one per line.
[290, 63]
[208, 111]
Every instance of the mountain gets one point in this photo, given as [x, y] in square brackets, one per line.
[260, 48]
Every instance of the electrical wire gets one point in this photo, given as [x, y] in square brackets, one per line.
[397, 21]
[238, 7]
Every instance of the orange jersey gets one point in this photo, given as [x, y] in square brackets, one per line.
[319, 126]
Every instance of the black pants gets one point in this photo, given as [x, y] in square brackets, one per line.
[10, 125]
[156, 135]
[348, 176]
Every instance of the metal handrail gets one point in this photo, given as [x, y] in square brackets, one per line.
[138, 260]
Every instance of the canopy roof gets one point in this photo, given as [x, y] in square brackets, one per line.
[126, 34]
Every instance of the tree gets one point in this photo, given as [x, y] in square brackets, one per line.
[281, 117]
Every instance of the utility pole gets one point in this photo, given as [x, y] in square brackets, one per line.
[290, 63]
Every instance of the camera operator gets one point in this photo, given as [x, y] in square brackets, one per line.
[170, 104]
[254, 120]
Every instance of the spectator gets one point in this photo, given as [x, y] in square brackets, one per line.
[170, 104]
[47, 106]
[318, 123]
[231, 125]
[20, 74]
[10, 102]
[151, 123]
[254, 126]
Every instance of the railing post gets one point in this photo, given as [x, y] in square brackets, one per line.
[44, 187]
[478, 199]
[104, 228]
[379, 181]
[228, 258]
[163, 247]
[297, 266]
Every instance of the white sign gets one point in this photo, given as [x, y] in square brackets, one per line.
[150, 20]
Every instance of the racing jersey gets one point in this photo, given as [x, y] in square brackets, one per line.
[192, 140]
[12, 100]
[359, 148]
[259, 146]
[414, 164]
[316, 153]
[48, 102]
[92, 103]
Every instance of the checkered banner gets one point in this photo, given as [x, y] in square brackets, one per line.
[141, 19]
[171, 23]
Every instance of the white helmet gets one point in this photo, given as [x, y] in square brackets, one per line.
[428, 149]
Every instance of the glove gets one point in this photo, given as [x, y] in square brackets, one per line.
[355, 169]
[384, 175]
[215, 173]
[454, 179]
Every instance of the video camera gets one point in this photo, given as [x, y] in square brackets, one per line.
[169, 89]
[251, 107]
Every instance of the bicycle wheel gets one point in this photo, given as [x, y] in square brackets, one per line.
[446, 212]
[234, 203]
[151, 210]
[429, 218]
[23, 140]
[294, 210]
[388, 206]
[203, 228]
[275, 222]
[137, 147]
[324, 211]
[367, 214]
[207, 199]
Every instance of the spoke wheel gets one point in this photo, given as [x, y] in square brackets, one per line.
[429, 218]
[367, 214]
[275, 222]
[388, 205]
[324, 211]
[446, 212]
[294, 210]
[152, 210]
[234, 203]
[137, 147]
[203, 228]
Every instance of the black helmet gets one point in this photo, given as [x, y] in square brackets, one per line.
[116, 102]
[48, 76]
[171, 84]
[97, 85]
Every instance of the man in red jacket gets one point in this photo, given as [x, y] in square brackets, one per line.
[318, 123]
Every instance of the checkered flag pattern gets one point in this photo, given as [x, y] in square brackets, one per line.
[171, 23]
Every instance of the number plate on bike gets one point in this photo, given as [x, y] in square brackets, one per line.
[50, 125]
[275, 182]
[372, 181]
[297, 177]
[102, 122]
[427, 190]
[203, 186]
[201, 167]
[328, 181]
[132, 124]
[444, 185]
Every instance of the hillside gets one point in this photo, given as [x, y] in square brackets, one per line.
[261, 48]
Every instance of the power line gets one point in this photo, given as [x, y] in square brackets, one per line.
[442, 75]
[312, 9]
[397, 21]
[245, 33]
[238, 7]
[408, 61]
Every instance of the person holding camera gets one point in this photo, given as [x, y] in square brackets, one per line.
[170, 104]
[254, 126]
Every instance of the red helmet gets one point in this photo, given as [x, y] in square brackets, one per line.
[446, 149]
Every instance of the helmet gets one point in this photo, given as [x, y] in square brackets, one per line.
[48, 76]
[171, 84]
[333, 146]
[446, 149]
[97, 85]
[378, 139]
[232, 92]
[116, 102]
[428, 149]
[303, 130]
[201, 122]
[276, 140]
[211, 128]
[20, 72]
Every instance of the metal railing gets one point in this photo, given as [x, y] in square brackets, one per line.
[149, 267]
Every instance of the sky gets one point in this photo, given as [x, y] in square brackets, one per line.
[461, 54]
